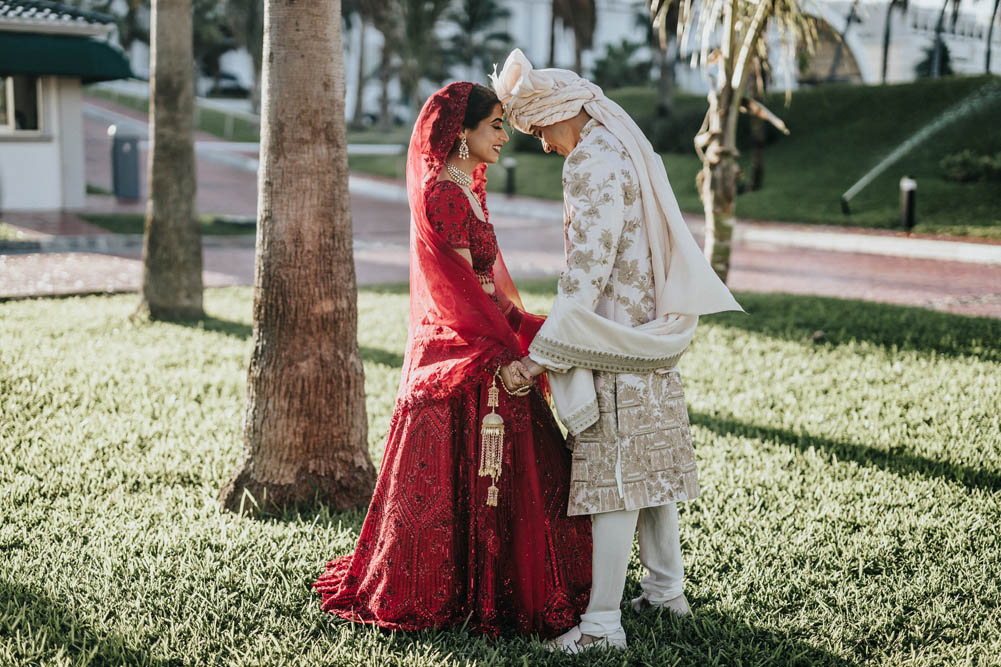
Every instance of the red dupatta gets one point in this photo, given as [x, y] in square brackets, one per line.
[457, 334]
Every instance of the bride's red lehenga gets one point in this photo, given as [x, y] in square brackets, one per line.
[432, 553]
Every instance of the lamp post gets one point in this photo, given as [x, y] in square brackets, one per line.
[509, 163]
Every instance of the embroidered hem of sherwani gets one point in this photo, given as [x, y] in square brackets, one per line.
[640, 452]
[633, 443]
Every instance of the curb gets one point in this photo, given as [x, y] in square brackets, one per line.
[109, 243]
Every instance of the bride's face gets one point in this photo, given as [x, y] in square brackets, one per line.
[486, 139]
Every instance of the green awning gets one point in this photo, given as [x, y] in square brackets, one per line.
[40, 54]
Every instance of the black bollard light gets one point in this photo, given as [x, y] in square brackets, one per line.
[509, 164]
[908, 192]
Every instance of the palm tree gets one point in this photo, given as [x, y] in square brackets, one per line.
[936, 63]
[478, 45]
[582, 17]
[387, 22]
[660, 41]
[420, 55]
[353, 10]
[172, 243]
[731, 34]
[129, 26]
[246, 21]
[212, 36]
[305, 431]
[893, 4]
[840, 48]
[990, 35]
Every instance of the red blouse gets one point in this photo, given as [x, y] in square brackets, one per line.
[452, 216]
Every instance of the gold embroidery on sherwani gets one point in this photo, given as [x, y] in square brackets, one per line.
[643, 420]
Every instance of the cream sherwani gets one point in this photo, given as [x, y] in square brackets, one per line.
[629, 301]
[639, 452]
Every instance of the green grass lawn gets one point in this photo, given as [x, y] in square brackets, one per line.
[852, 494]
[133, 223]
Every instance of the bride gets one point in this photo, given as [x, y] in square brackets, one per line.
[468, 520]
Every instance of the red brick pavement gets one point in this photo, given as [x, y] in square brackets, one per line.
[955, 287]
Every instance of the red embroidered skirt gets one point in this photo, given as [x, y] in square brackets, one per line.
[432, 554]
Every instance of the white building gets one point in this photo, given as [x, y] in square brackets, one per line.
[46, 51]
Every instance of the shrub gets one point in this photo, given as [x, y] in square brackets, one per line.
[967, 166]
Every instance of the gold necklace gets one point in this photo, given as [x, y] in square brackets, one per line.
[458, 175]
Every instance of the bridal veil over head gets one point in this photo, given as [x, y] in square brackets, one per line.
[684, 282]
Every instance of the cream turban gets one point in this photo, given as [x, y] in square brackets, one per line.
[540, 96]
[683, 280]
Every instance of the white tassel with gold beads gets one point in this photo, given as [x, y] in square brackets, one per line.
[492, 443]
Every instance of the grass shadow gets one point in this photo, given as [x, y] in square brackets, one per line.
[380, 356]
[897, 462]
[49, 628]
[230, 328]
[796, 318]
[712, 637]
[707, 637]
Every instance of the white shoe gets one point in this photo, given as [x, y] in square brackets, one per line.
[574, 641]
[678, 606]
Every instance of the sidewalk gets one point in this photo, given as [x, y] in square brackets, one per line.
[71, 256]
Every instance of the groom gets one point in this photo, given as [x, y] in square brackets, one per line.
[628, 302]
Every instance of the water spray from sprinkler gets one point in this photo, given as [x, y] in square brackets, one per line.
[986, 94]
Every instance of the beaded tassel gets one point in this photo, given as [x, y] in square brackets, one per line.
[492, 444]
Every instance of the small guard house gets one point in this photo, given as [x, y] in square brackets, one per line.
[47, 52]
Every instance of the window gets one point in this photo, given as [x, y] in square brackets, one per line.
[19, 103]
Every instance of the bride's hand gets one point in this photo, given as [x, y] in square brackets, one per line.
[515, 376]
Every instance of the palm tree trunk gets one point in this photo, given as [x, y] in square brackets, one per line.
[756, 90]
[886, 37]
[936, 62]
[356, 115]
[717, 181]
[172, 244]
[384, 75]
[990, 36]
[839, 50]
[552, 36]
[305, 430]
[665, 80]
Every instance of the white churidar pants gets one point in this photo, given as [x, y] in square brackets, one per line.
[660, 554]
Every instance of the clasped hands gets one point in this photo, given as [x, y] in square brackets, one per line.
[520, 373]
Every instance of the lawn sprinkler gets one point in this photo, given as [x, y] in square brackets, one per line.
[987, 94]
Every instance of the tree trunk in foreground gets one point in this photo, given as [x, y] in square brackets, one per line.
[172, 243]
[305, 429]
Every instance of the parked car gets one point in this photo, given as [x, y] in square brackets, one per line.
[227, 85]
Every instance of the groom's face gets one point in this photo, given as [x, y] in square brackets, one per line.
[558, 137]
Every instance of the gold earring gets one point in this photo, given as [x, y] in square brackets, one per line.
[463, 148]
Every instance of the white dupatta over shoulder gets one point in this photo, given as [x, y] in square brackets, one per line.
[573, 339]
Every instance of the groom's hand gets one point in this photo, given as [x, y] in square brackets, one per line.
[533, 369]
[515, 376]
